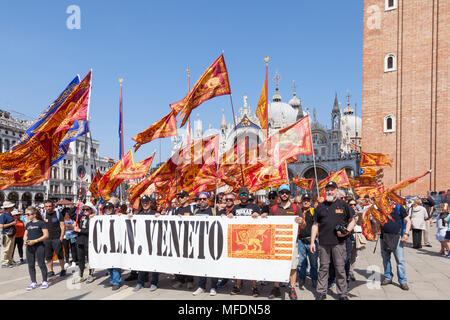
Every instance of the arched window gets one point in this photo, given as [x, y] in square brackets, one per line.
[390, 63]
[389, 124]
[390, 5]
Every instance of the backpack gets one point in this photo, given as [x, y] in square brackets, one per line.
[58, 214]
[294, 206]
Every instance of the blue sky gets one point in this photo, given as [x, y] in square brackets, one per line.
[151, 43]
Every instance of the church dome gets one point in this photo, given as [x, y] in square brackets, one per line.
[281, 114]
[295, 102]
[351, 124]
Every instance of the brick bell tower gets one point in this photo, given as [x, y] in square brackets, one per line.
[405, 98]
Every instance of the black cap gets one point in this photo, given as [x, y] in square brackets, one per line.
[243, 190]
[108, 204]
[306, 196]
[331, 184]
[183, 194]
[146, 198]
[273, 193]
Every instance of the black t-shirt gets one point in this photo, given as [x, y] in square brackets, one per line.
[265, 209]
[150, 212]
[184, 211]
[329, 215]
[53, 225]
[245, 210]
[206, 212]
[309, 218]
[34, 229]
[394, 227]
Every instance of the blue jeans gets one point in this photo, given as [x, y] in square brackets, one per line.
[142, 277]
[303, 254]
[399, 255]
[116, 276]
[202, 282]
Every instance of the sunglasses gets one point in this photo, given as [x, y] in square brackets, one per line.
[272, 198]
[353, 204]
[181, 197]
[202, 199]
[230, 199]
[86, 209]
[285, 192]
[244, 194]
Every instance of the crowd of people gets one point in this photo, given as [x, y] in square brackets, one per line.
[328, 241]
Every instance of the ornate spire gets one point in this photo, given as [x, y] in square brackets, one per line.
[224, 123]
[276, 97]
[336, 104]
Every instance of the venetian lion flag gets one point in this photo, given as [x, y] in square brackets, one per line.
[137, 170]
[306, 184]
[213, 83]
[340, 177]
[165, 127]
[375, 160]
[93, 187]
[263, 109]
[403, 184]
[109, 182]
[289, 142]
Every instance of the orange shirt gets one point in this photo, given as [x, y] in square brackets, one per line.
[20, 229]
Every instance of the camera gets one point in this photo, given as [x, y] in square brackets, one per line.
[342, 229]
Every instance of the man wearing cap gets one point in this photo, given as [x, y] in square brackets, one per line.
[244, 208]
[185, 209]
[273, 200]
[304, 240]
[7, 224]
[148, 208]
[287, 208]
[334, 220]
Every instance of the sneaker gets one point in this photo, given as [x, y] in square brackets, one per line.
[236, 290]
[116, 287]
[138, 287]
[22, 261]
[62, 273]
[50, 274]
[404, 286]
[190, 285]
[44, 285]
[81, 279]
[212, 292]
[198, 291]
[10, 265]
[32, 286]
[255, 292]
[292, 293]
[275, 293]
[90, 279]
[153, 287]
[386, 282]
[73, 265]
[177, 284]
[66, 265]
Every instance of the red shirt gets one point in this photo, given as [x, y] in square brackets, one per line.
[20, 229]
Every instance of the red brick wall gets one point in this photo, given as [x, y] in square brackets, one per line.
[417, 32]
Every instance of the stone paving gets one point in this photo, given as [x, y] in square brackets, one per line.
[428, 274]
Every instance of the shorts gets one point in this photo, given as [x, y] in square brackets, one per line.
[294, 263]
[53, 245]
[447, 235]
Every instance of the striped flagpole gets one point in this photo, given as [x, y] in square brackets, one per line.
[120, 129]
[188, 142]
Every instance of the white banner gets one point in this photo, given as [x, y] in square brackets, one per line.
[241, 247]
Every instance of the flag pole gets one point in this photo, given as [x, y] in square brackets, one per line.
[188, 142]
[266, 59]
[235, 125]
[120, 132]
[314, 161]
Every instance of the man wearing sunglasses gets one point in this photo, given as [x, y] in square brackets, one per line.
[244, 209]
[273, 200]
[287, 208]
[229, 204]
[185, 209]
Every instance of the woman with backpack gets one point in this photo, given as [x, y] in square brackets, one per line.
[35, 233]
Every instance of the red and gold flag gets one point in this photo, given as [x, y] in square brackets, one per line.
[261, 176]
[137, 170]
[375, 160]
[372, 192]
[367, 229]
[396, 198]
[165, 127]
[367, 182]
[368, 172]
[383, 205]
[263, 109]
[303, 183]
[339, 177]
[213, 83]
[93, 187]
[403, 184]
[354, 182]
[290, 142]
[109, 182]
